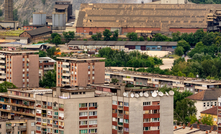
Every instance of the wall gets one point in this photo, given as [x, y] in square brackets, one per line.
[25, 34]
[104, 115]
[3, 127]
[17, 70]
[29, 127]
[33, 71]
[99, 72]
[186, 30]
[126, 30]
[91, 29]
[200, 107]
[82, 74]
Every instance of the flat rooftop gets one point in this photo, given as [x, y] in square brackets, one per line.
[18, 51]
[80, 58]
[31, 90]
[162, 77]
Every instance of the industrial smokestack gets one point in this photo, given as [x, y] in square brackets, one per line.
[8, 10]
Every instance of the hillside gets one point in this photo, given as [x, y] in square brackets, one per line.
[27, 7]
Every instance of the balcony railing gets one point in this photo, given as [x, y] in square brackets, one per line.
[55, 117]
[55, 108]
[22, 127]
[43, 106]
[120, 131]
[8, 127]
[44, 115]
[55, 125]
[44, 124]
[121, 107]
[120, 123]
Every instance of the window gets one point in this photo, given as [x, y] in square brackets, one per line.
[126, 104]
[92, 113]
[88, 67]
[82, 131]
[155, 111]
[38, 128]
[92, 130]
[207, 104]
[27, 75]
[126, 121]
[204, 104]
[215, 103]
[38, 119]
[114, 127]
[146, 112]
[146, 103]
[83, 114]
[89, 72]
[93, 122]
[114, 119]
[146, 120]
[93, 104]
[55, 113]
[114, 102]
[146, 128]
[155, 119]
[126, 129]
[27, 64]
[82, 122]
[32, 124]
[82, 105]
[211, 103]
[23, 59]
[40, 66]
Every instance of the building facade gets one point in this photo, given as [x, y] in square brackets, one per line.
[79, 71]
[82, 111]
[20, 68]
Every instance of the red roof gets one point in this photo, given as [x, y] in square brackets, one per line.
[211, 111]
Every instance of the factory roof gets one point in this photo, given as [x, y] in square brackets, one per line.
[61, 6]
[39, 31]
[162, 16]
[122, 43]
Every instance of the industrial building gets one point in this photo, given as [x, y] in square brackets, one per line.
[124, 45]
[36, 34]
[79, 70]
[20, 68]
[185, 18]
[8, 10]
[156, 80]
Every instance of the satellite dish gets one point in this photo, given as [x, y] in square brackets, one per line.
[146, 94]
[141, 94]
[137, 95]
[160, 94]
[132, 95]
[124, 94]
[171, 92]
[167, 94]
[154, 94]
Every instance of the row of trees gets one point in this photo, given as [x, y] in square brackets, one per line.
[57, 38]
[206, 1]
[122, 59]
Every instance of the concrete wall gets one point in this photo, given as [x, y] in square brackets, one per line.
[104, 115]
[200, 106]
[29, 127]
[3, 127]
[33, 71]
[166, 114]
[82, 74]
[186, 30]
[17, 70]
[99, 72]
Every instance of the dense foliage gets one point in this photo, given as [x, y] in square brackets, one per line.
[6, 85]
[15, 15]
[206, 1]
[68, 36]
[183, 108]
[207, 119]
[122, 59]
[49, 80]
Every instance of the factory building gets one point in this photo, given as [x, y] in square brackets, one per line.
[8, 10]
[150, 17]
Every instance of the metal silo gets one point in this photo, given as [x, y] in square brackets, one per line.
[59, 20]
[39, 18]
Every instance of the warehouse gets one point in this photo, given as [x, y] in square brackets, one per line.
[150, 17]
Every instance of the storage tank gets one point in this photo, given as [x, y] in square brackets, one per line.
[59, 20]
[39, 18]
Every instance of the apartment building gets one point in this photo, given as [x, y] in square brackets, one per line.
[17, 110]
[79, 71]
[20, 68]
[219, 116]
[45, 64]
[86, 110]
[17, 126]
[156, 80]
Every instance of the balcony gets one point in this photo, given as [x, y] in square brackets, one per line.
[120, 131]
[55, 117]
[22, 127]
[55, 125]
[65, 63]
[65, 69]
[200, 87]
[2, 61]
[44, 115]
[2, 56]
[44, 124]
[128, 79]
[65, 80]
[8, 127]
[120, 107]
[2, 76]
[55, 108]
[120, 123]
[66, 74]
[2, 72]
[44, 106]
[48, 68]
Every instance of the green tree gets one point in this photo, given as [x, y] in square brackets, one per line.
[57, 40]
[107, 34]
[97, 36]
[207, 119]
[6, 85]
[1, 13]
[114, 80]
[49, 79]
[42, 53]
[191, 75]
[15, 15]
[184, 44]
[43, 2]
[115, 36]
[176, 36]
[132, 36]
[141, 38]
[184, 109]
[51, 51]
[193, 119]
[179, 51]
[68, 36]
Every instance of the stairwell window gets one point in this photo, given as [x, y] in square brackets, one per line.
[146, 103]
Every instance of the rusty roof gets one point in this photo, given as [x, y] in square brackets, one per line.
[206, 95]
[163, 16]
[211, 111]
